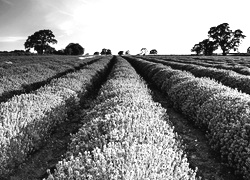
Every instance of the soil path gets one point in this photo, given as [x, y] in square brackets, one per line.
[196, 145]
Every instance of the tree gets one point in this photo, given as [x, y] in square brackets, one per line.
[60, 52]
[108, 52]
[143, 51]
[226, 38]
[127, 52]
[40, 41]
[198, 48]
[209, 47]
[248, 50]
[206, 46]
[104, 51]
[96, 53]
[49, 50]
[153, 51]
[74, 49]
[120, 53]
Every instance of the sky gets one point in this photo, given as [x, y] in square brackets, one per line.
[169, 26]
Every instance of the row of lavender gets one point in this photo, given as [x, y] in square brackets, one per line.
[233, 61]
[226, 77]
[27, 120]
[223, 113]
[28, 73]
[126, 136]
[239, 65]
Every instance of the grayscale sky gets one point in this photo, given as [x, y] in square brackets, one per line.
[170, 26]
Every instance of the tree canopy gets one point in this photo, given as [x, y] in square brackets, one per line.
[127, 52]
[106, 52]
[220, 36]
[248, 50]
[207, 47]
[40, 41]
[74, 49]
[225, 37]
[120, 53]
[198, 48]
[153, 51]
[144, 51]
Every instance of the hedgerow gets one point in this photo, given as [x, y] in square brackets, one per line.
[27, 120]
[126, 136]
[222, 112]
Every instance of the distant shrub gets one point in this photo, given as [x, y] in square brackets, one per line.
[108, 52]
[153, 51]
[120, 53]
[74, 49]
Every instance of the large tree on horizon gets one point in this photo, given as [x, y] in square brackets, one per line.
[40, 41]
[225, 37]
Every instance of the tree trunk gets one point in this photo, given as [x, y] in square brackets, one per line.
[40, 51]
[224, 51]
[42, 48]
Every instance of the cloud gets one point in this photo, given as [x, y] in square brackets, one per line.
[60, 10]
[67, 27]
[7, 2]
[12, 39]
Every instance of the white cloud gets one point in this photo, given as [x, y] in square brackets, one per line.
[67, 27]
[12, 39]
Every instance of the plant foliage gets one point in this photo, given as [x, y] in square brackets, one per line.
[40, 41]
